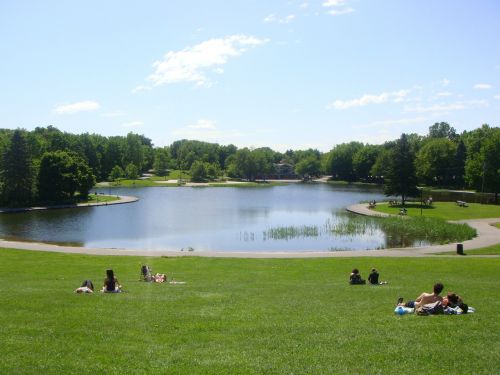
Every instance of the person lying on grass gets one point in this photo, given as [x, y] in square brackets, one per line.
[111, 284]
[86, 287]
[424, 298]
[159, 278]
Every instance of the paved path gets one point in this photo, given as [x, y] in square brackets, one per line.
[487, 235]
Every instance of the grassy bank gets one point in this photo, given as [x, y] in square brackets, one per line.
[490, 250]
[445, 210]
[242, 316]
[99, 198]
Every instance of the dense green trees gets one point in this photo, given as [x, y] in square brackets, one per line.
[61, 175]
[339, 161]
[442, 158]
[435, 162]
[16, 171]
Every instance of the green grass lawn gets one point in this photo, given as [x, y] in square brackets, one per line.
[490, 250]
[446, 210]
[243, 316]
[99, 198]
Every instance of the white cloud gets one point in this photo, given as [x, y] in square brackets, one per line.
[191, 63]
[270, 18]
[304, 5]
[334, 3]
[497, 97]
[482, 86]
[396, 96]
[444, 93]
[337, 7]
[85, 106]
[203, 124]
[273, 18]
[132, 124]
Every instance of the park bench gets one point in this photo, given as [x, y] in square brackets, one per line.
[462, 204]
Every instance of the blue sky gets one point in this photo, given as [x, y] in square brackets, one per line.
[283, 74]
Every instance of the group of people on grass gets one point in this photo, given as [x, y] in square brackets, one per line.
[425, 304]
[373, 279]
[112, 285]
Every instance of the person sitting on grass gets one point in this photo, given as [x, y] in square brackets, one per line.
[111, 284]
[86, 287]
[424, 298]
[355, 278]
[373, 278]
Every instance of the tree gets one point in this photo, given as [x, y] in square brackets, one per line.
[442, 130]
[339, 161]
[380, 169]
[16, 172]
[308, 167]
[459, 164]
[434, 162]
[401, 179]
[132, 172]
[482, 168]
[116, 173]
[134, 152]
[364, 159]
[61, 175]
[198, 171]
[161, 161]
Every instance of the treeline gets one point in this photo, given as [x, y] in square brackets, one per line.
[48, 165]
[442, 158]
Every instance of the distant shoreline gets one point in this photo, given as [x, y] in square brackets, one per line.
[122, 199]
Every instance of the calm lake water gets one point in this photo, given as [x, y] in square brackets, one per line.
[223, 219]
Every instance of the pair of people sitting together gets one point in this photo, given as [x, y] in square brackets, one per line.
[356, 279]
[111, 285]
[147, 275]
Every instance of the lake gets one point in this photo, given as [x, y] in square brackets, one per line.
[290, 218]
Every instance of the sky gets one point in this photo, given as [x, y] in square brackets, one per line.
[283, 74]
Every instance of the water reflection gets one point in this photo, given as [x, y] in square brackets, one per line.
[224, 219]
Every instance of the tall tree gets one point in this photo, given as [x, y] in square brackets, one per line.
[160, 164]
[442, 130]
[16, 172]
[401, 179]
[435, 162]
[61, 175]
[340, 158]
